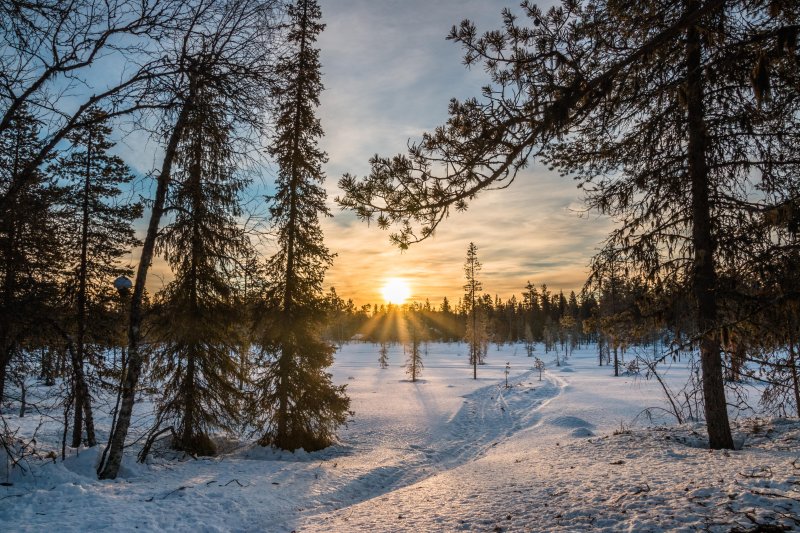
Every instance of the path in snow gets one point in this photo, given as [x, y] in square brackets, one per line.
[487, 416]
[403, 433]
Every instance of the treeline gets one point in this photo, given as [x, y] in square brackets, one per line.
[537, 315]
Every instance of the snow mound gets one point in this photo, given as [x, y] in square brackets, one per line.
[581, 433]
[569, 422]
[567, 369]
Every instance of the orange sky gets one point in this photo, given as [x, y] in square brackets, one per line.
[389, 74]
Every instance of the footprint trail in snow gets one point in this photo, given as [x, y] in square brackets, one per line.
[401, 456]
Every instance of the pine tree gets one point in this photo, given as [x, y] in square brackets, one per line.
[475, 331]
[198, 313]
[31, 238]
[303, 408]
[100, 233]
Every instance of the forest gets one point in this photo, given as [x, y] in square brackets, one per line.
[678, 121]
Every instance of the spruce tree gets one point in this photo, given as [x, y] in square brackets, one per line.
[100, 233]
[303, 408]
[383, 354]
[413, 336]
[197, 315]
[475, 324]
[31, 238]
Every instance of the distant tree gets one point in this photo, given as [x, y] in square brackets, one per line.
[472, 289]
[414, 337]
[303, 408]
[383, 355]
[445, 306]
[529, 342]
[100, 225]
[567, 327]
[538, 364]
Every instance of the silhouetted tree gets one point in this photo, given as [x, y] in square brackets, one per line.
[196, 328]
[472, 287]
[414, 337]
[383, 355]
[100, 225]
[302, 406]
[31, 242]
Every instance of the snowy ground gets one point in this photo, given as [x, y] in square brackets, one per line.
[447, 453]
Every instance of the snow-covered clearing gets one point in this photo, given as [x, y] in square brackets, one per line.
[447, 453]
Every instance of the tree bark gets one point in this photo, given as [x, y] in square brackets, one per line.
[82, 392]
[795, 378]
[83, 403]
[703, 279]
[109, 468]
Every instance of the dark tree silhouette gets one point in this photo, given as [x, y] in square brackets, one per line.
[31, 242]
[303, 408]
[100, 232]
[196, 328]
[227, 46]
[472, 288]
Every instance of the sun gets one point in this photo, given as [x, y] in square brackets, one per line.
[396, 290]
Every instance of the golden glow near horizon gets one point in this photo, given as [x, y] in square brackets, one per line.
[396, 291]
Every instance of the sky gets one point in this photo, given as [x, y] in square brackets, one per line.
[389, 74]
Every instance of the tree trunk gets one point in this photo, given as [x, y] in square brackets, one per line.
[703, 280]
[5, 357]
[795, 378]
[109, 467]
[77, 412]
[22, 399]
[80, 397]
[83, 402]
[187, 441]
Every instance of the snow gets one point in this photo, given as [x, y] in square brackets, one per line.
[448, 453]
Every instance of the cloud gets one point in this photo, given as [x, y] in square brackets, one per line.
[389, 74]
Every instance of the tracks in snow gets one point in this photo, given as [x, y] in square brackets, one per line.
[487, 416]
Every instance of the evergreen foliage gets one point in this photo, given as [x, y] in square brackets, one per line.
[31, 243]
[383, 355]
[197, 315]
[301, 406]
[414, 336]
[476, 326]
[99, 231]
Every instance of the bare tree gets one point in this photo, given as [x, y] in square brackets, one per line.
[50, 49]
